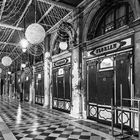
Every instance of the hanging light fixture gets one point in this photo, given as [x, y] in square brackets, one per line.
[63, 45]
[6, 61]
[9, 72]
[23, 65]
[35, 33]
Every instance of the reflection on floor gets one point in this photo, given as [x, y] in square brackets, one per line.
[33, 122]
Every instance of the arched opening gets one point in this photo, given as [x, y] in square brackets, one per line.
[109, 65]
[65, 34]
[110, 17]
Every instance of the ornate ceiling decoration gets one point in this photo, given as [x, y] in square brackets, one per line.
[17, 15]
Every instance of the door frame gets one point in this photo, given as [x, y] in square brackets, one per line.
[62, 104]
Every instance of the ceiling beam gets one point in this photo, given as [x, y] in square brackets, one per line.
[7, 53]
[47, 12]
[5, 25]
[11, 27]
[2, 8]
[58, 23]
[29, 3]
[8, 43]
[58, 4]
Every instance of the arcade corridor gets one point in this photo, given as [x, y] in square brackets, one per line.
[23, 121]
[69, 69]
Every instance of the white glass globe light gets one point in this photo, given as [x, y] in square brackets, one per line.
[23, 65]
[6, 61]
[35, 33]
[9, 72]
[63, 45]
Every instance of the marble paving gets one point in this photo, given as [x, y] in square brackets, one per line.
[24, 121]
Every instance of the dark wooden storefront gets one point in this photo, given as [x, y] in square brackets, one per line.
[61, 75]
[109, 78]
[26, 87]
[39, 84]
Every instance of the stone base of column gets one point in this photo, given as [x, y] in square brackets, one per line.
[46, 106]
[76, 115]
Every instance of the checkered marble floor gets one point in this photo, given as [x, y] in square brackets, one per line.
[34, 122]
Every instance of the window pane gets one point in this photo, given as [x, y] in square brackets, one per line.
[110, 17]
[106, 63]
[120, 12]
[109, 21]
[115, 18]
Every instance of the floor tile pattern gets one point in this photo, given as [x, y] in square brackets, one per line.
[34, 122]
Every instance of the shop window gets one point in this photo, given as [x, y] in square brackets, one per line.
[60, 71]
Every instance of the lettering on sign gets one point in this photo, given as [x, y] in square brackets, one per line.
[118, 45]
[61, 62]
[39, 68]
[107, 48]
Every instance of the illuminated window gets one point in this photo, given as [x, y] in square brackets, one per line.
[106, 63]
[61, 71]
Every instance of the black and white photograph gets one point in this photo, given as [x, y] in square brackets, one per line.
[69, 69]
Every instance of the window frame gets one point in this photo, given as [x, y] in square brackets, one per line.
[126, 18]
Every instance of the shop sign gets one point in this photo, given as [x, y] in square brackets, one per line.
[107, 48]
[61, 62]
[39, 68]
[121, 44]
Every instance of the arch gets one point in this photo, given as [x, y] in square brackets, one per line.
[65, 29]
[98, 11]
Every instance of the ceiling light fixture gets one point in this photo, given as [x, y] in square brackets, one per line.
[23, 65]
[9, 72]
[6, 61]
[63, 45]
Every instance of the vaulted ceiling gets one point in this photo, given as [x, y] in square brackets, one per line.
[17, 15]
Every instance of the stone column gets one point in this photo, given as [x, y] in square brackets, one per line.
[30, 93]
[32, 87]
[6, 85]
[10, 90]
[76, 109]
[137, 64]
[0, 87]
[83, 86]
[47, 80]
